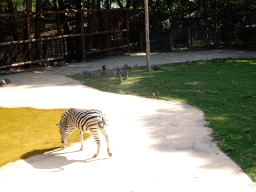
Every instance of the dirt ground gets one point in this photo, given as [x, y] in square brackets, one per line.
[156, 145]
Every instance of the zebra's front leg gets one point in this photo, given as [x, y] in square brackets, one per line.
[81, 138]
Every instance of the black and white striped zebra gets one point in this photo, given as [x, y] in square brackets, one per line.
[91, 120]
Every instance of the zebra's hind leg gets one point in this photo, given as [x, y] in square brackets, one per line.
[82, 139]
[96, 138]
[106, 137]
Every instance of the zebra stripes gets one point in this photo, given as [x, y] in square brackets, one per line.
[91, 120]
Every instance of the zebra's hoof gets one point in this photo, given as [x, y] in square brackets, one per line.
[94, 156]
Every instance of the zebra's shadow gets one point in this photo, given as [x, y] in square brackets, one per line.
[58, 161]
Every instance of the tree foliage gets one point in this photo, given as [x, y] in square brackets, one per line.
[231, 14]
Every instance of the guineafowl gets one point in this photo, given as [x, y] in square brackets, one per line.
[104, 67]
[103, 72]
[188, 62]
[85, 72]
[8, 81]
[223, 59]
[126, 66]
[120, 78]
[126, 74]
[114, 72]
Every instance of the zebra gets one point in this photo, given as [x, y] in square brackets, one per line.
[91, 120]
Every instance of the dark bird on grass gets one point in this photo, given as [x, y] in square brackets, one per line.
[188, 62]
[104, 68]
[215, 59]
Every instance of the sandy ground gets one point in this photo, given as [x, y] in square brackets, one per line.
[156, 145]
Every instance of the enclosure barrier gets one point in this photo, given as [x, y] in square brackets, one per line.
[70, 35]
[197, 37]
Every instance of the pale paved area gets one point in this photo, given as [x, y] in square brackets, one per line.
[156, 145]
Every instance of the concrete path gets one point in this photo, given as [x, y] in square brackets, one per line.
[156, 145]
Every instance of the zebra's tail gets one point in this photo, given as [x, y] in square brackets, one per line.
[102, 123]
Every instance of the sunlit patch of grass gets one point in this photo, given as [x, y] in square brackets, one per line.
[226, 93]
[28, 131]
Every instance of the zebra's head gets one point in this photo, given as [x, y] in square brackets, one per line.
[63, 134]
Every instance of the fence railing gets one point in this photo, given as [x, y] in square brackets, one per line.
[47, 36]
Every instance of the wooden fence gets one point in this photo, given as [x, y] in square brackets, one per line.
[41, 37]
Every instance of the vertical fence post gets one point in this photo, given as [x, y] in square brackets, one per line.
[127, 28]
[147, 35]
[170, 35]
[59, 32]
[29, 35]
[82, 36]
[107, 29]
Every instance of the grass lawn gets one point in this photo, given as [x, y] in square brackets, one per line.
[28, 131]
[226, 93]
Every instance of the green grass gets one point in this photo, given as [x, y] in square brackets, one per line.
[27, 131]
[226, 93]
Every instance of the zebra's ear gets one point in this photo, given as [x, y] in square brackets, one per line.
[58, 125]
